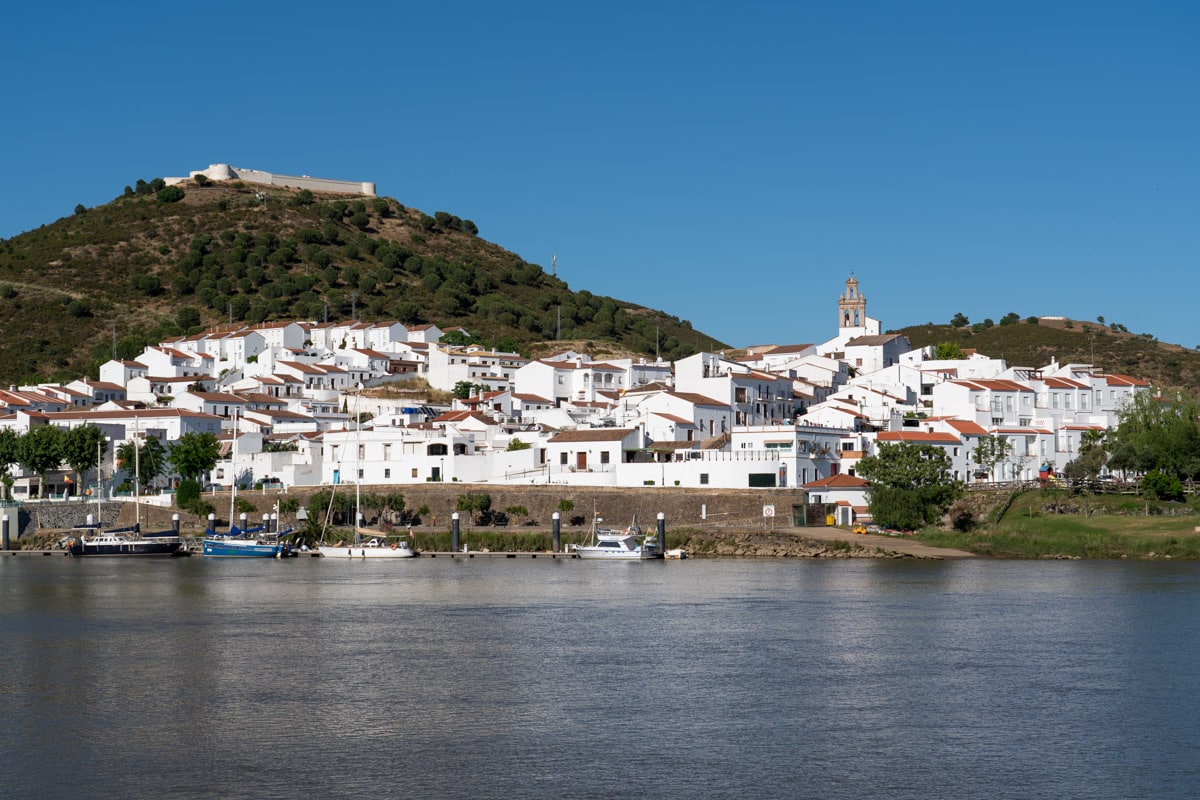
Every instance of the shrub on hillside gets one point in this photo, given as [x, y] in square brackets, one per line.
[169, 194]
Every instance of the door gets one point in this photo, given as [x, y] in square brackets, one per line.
[581, 461]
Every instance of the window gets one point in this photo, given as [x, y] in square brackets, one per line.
[603, 456]
[414, 472]
[562, 458]
[703, 478]
[387, 473]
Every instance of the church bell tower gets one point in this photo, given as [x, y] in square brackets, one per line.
[852, 306]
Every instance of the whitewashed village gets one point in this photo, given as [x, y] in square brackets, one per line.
[301, 404]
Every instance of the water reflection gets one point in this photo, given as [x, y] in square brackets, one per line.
[524, 679]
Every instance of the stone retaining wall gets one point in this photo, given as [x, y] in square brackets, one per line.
[725, 508]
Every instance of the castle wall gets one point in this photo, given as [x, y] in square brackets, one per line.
[224, 172]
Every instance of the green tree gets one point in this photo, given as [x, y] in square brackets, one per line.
[149, 459]
[10, 455]
[1157, 486]
[948, 351]
[991, 451]
[187, 317]
[475, 502]
[457, 337]
[194, 453]
[462, 389]
[910, 484]
[1157, 434]
[169, 194]
[1092, 455]
[40, 450]
[82, 448]
[516, 444]
[960, 320]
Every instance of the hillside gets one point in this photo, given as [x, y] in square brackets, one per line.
[1034, 343]
[157, 262]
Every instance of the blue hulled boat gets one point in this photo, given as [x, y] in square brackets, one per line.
[246, 543]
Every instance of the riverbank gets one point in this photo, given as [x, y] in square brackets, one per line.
[1052, 523]
[1040, 524]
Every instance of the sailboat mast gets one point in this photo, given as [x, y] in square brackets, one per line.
[233, 471]
[357, 470]
[137, 472]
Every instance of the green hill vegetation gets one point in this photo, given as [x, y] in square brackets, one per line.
[162, 261]
[1034, 342]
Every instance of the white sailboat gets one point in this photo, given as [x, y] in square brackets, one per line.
[378, 546]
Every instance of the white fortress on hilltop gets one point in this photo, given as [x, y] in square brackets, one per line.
[224, 172]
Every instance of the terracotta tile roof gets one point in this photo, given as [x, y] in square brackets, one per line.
[839, 481]
[698, 399]
[874, 341]
[919, 436]
[966, 427]
[674, 444]
[675, 419]
[1065, 383]
[994, 385]
[592, 435]
[1123, 380]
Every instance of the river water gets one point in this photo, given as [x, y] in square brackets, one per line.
[539, 678]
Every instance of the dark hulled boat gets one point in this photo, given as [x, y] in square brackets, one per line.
[126, 542]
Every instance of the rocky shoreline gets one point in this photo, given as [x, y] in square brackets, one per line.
[807, 543]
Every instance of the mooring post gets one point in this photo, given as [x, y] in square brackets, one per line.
[454, 532]
[661, 530]
[4, 533]
[556, 530]
[212, 524]
[175, 523]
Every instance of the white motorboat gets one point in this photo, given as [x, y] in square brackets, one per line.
[375, 547]
[620, 545]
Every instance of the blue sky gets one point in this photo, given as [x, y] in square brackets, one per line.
[730, 163]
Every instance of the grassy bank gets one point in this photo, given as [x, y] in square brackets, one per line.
[1055, 524]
